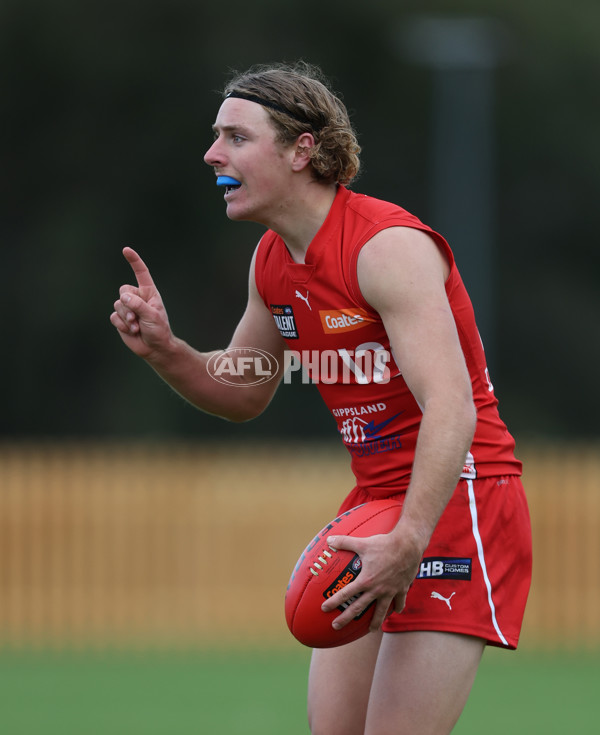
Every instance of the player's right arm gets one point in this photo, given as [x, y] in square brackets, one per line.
[141, 320]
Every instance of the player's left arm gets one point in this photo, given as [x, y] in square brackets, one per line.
[402, 274]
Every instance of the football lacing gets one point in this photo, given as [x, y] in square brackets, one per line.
[321, 559]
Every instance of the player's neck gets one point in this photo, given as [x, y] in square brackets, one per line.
[304, 219]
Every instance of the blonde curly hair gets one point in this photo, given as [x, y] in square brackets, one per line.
[299, 99]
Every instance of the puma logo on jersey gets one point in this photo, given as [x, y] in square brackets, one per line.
[304, 298]
[437, 596]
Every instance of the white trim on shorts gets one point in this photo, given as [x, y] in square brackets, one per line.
[481, 555]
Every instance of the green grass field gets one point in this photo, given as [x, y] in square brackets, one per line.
[247, 693]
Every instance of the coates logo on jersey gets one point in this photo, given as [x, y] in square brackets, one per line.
[336, 321]
[242, 366]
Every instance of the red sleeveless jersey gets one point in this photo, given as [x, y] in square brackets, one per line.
[344, 348]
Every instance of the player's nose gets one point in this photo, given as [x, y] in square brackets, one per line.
[214, 155]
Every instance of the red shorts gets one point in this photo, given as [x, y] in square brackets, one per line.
[476, 572]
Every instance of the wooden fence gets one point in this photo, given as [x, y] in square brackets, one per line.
[163, 545]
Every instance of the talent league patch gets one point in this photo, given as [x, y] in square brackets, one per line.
[443, 567]
[284, 319]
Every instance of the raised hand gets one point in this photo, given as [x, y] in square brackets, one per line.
[139, 313]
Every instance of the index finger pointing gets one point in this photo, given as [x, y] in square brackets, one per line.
[139, 268]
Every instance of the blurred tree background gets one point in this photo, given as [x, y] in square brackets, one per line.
[106, 114]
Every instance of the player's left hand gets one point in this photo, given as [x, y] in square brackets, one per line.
[390, 563]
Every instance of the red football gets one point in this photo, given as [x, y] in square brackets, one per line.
[321, 571]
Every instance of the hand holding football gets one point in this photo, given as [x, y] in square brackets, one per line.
[321, 571]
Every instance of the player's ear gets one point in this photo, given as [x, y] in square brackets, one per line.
[302, 148]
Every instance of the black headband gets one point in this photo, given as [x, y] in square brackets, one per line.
[272, 106]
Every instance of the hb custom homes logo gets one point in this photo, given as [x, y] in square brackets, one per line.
[242, 366]
[445, 567]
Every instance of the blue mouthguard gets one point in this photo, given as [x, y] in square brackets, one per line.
[227, 181]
